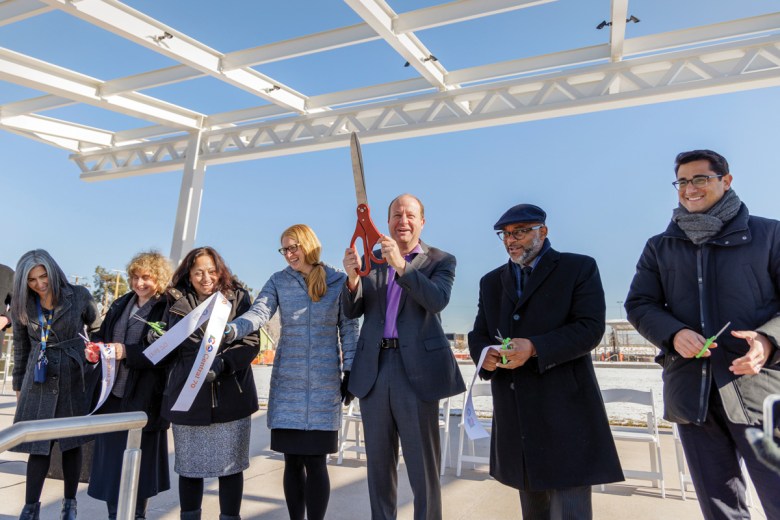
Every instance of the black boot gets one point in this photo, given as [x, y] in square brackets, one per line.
[190, 515]
[227, 517]
[68, 509]
[31, 512]
[140, 508]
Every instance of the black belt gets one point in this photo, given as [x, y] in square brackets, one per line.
[388, 343]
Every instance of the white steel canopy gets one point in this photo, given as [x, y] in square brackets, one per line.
[703, 60]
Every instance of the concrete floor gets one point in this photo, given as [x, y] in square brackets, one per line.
[473, 495]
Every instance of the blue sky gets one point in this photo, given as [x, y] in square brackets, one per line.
[603, 178]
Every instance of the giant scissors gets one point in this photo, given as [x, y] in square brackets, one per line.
[365, 229]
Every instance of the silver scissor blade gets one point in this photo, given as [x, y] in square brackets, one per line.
[721, 331]
[357, 169]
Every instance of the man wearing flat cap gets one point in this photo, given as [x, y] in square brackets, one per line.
[550, 435]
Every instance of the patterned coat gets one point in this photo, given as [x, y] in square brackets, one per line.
[316, 339]
[63, 394]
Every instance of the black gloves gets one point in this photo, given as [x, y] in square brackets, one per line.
[346, 397]
[216, 368]
[230, 334]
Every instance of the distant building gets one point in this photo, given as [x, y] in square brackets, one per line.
[621, 342]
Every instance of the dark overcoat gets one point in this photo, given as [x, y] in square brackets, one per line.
[550, 428]
[425, 350]
[145, 382]
[63, 394]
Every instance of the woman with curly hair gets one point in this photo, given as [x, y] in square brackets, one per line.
[138, 386]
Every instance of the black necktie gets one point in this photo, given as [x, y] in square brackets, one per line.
[525, 275]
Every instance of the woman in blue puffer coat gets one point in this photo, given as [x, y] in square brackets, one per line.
[317, 343]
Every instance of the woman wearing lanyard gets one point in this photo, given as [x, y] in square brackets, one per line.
[49, 315]
[211, 439]
[304, 404]
[137, 386]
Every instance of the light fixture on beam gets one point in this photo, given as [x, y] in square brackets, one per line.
[430, 57]
[604, 23]
[164, 36]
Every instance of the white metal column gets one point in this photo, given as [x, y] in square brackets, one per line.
[190, 196]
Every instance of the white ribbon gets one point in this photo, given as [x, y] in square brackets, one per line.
[216, 309]
[471, 422]
[108, 366]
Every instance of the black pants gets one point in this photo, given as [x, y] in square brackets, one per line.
[231, 489]
[38, 466]
[306, 486]
[714, 451]
[557, 504]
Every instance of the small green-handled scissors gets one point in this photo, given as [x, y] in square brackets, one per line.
[711, 340]
[157, 326]
[504, 344]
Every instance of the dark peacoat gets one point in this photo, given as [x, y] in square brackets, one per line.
[145, 382]
[63, 394]
[232, 395]
[550, 428]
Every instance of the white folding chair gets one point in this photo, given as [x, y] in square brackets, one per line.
[649, 435]
[351, 421]
[685, 477]
[444, 430]
[478, 390]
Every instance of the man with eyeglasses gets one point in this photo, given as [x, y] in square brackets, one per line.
[403, 364]
[550, 435]
[715, 267]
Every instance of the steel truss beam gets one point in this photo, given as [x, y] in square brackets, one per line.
[717, 69]
[143, 30]
[40, 75]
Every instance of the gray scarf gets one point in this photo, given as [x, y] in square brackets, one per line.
[700, 227]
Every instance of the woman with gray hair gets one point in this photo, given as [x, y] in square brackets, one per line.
[48, 316]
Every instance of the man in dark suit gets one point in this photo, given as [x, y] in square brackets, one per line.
[403, 364]
[550, 436]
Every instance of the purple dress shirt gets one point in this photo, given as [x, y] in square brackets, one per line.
[394, 296]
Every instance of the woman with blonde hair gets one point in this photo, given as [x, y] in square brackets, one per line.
[49, 315]
[306, 384]
[138, 386]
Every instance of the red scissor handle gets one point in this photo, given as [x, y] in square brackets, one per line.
[366, 231]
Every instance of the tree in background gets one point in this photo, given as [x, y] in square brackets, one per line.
[108, 285]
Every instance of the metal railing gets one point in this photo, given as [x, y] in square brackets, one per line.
[48, 429]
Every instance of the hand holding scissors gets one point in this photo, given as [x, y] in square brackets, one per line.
[504, 345]
[711, 340]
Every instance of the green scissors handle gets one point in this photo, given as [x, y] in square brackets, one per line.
[504, 344]
[711, 340]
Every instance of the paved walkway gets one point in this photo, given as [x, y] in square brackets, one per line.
[474, 495]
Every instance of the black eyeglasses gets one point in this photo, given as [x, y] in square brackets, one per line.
[518, 233]
[289, 249]
[698, 181]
